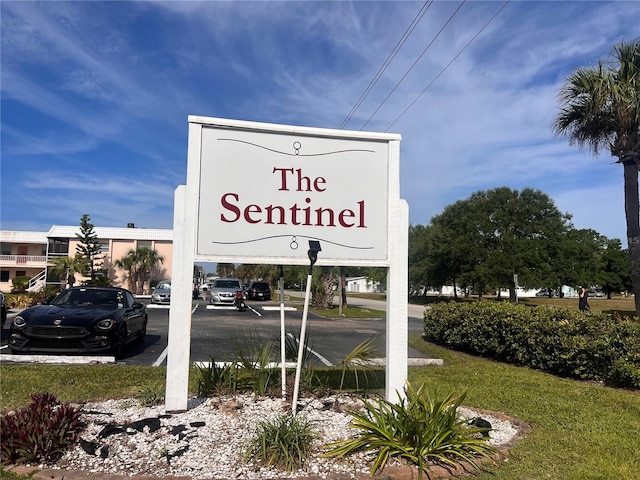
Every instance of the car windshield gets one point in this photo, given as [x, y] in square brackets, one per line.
[164, 286]
[226, 284]
[86, 297]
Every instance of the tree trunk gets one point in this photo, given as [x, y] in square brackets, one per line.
[323, 290]
[343, 289]
[632, 212]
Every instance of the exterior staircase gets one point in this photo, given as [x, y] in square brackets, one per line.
[38, 282]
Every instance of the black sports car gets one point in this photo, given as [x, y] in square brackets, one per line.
[80, 320]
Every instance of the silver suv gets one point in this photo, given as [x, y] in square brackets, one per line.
[223, 291]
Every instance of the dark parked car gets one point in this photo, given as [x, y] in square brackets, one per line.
[259, 290]
[3, 310]
[80, 320]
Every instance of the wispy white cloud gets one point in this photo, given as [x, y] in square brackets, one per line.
[103, 91]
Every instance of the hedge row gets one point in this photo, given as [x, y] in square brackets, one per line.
[567, 343]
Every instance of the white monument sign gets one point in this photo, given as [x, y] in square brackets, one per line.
[258, 193]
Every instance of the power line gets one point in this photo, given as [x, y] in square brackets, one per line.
[386, 63]
[447, 66]
[414, 64]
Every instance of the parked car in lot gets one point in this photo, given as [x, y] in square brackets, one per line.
[80, 320]
[223, 291]
[3, 310]
[162, 292]
[545, 292]
[259, 291]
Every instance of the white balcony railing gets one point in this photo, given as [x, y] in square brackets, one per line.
[35, 261]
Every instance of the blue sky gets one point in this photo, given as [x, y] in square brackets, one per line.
[95, 97]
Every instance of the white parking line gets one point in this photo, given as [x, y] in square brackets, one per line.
[163, 355]
[313, 352]
[232, 307]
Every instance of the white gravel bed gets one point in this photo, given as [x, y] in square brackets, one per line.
[208, 440]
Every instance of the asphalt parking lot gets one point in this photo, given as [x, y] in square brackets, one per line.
[214, 331]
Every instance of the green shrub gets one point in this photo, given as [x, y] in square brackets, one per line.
[421, 428]
[284, 442]
[28, 299]
[19, 284]
[567, 343]
[39, 432]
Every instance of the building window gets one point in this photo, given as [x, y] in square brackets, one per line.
[59, 246]
[4, 275]
[104, 246]
[144, 244]
[6, 249]
[21, 273]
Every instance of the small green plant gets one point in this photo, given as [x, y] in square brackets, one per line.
[421, 428]
[213, 378]
[284, 442]
[39, 432]
[357, 360]
[152, 394]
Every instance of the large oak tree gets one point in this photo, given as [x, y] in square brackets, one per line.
[488, 238]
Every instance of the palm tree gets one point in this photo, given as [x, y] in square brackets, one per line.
[149, 259]
[130, 263]
[138, 264]
[600, 108]
[67, 267]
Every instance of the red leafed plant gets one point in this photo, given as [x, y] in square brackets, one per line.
[39, 432]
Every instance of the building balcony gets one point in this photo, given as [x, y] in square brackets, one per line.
[23, 261]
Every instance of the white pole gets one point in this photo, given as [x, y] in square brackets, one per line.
[303, 327]
[283, 357]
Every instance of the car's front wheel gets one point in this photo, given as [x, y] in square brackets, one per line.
[119, 342]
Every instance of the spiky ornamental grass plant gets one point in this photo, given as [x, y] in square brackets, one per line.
[213, 378]
[421, 429]
[254, 354]
[283, 442]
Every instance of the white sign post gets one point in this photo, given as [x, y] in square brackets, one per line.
[258, 193]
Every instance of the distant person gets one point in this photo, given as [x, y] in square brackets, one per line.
[583, 302]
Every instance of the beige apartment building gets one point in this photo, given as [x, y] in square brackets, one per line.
[29, 253]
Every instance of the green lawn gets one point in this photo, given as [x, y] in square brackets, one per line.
[580, 430]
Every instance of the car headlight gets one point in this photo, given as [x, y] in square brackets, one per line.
[106, 324]
[19, 322]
